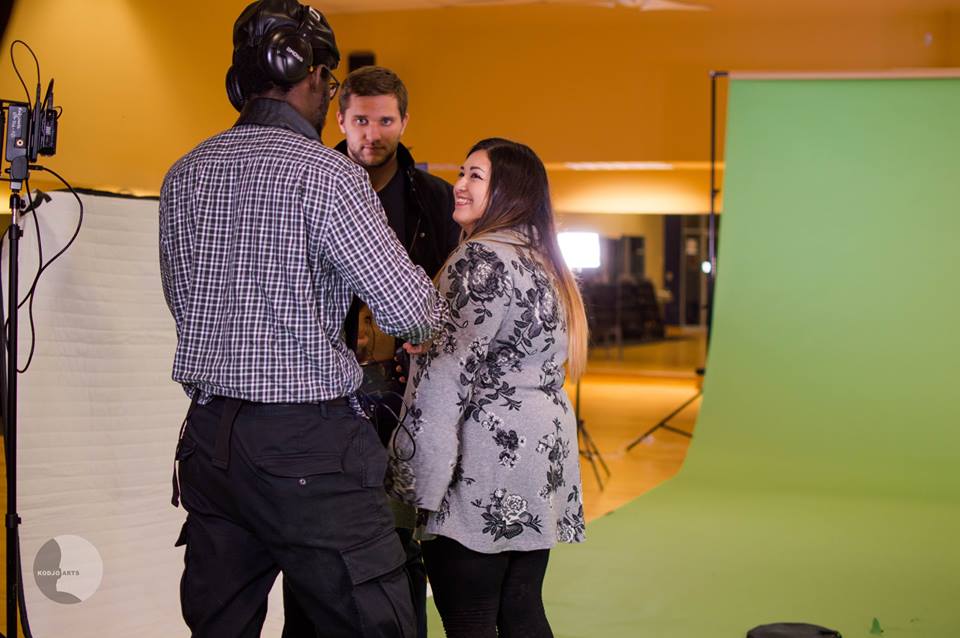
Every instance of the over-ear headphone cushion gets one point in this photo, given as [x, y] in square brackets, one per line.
[286, 37]
[286, 55]
[234, 92]
[260, 18]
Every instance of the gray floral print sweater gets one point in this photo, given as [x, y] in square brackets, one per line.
[487, 448]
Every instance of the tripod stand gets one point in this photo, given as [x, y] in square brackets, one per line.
[588, 448]
[710, 270]
[665, 422]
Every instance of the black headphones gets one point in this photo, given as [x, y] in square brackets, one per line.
[285, 35]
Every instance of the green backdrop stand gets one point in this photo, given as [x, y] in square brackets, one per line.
[823, 484]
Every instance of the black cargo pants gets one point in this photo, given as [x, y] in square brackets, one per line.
[296, 488]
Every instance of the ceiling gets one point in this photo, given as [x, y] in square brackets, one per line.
[792, 7]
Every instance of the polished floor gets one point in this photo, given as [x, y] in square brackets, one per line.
[623, 395]
[616, 411]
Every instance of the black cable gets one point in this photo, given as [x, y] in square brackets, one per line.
[31, 295]
[42, 197]
[79, 219]
[36, 278]
[370, 402]
[33, 336]
[36, 226]
[401, 426]
[31, 209]
[17, 71]
[43, 267]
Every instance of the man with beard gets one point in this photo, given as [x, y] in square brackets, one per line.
[373, 116]
[265, 237]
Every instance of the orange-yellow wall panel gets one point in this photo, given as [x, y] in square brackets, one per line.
[141, 82]
[587, 83]
[953, 38]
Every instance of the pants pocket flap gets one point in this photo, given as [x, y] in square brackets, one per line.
[182, 537]
[289, 466]
[374, 558]
[185, 447]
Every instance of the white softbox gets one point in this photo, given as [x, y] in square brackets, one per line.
[98, 423]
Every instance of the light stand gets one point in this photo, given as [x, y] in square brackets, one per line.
[581, 251]
[710, 267]
[588, 448]
[29, 130]
[12, 519]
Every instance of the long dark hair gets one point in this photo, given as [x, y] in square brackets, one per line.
[518, 198]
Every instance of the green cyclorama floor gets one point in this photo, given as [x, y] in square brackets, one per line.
[685, 564]
[680, 563]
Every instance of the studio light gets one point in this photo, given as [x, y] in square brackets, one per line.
[580, 250]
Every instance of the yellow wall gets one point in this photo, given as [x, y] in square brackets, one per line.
[588, 83]
[953, 38]
[141, 82]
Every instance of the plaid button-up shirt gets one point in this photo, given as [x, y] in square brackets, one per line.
[264, 235]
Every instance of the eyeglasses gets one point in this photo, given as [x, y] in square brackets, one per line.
[333, 84]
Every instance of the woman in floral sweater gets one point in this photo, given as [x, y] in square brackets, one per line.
[487, 449]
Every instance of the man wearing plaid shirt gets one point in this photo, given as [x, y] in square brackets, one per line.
[265, 234]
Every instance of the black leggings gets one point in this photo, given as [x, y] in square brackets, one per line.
[479, 595]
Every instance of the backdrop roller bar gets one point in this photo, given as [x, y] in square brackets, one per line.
[664, 423]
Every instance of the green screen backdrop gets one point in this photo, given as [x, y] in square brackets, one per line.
[823, 481]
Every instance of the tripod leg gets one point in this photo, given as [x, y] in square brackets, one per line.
[643, 436]
[588, 454]
[664, 422]
[678, 431]
[594, 449]
[588, 447]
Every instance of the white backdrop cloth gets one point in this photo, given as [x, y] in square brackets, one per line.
[99, 418]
